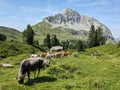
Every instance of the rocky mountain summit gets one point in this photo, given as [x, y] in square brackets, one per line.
[72, 19]
[69, 25]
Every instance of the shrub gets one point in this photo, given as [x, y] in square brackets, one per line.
[69, 68]
[76, 55]
[66, 76]
[55, 72]
[63, 71]
[68, 87]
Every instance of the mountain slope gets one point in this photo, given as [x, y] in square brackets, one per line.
[72, 23]
[12, 34]
[14, 48]
[42, 29]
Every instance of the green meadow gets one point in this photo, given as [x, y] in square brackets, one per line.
[93, 69]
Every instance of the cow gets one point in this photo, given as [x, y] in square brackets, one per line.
[43, 55]
[35, 55]
[48, 56]
[31, 64]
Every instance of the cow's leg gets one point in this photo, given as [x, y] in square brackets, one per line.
[34, 73]
[38, 72]
[28, 73]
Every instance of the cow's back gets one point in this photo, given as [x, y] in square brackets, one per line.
[31, 64]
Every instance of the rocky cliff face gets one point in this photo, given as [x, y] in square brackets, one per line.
[72, 19]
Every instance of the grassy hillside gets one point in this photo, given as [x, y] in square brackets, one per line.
[81, 71]
[15, 48]
[42, 29]
[12, 34]
[110, 49]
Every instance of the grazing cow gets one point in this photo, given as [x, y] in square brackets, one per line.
[31, 64]
[43, 55]
[35, 55]
[48, 56]
[57, 55]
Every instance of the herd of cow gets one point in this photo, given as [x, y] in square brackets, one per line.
[50, 55]
[37, 62]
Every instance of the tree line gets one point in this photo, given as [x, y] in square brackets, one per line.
[95, 38]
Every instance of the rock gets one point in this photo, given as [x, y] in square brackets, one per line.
[56, 48]
[6, 65]
[95, 54]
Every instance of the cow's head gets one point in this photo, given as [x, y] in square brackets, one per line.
[21, 78]
[46, 63]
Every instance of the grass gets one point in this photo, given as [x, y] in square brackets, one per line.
[11, 34]
[75, 72]
[15, 48]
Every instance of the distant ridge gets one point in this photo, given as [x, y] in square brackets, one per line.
[11, 33]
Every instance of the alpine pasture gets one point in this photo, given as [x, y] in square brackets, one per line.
[97, 68]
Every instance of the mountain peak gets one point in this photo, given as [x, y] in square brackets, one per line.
[70, 13]
[67, 17]
[70, 18]
[67, 10]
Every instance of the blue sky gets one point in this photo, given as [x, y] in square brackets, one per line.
[19, 13]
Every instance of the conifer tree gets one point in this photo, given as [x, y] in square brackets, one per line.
[2, 37]
[28, 35]
[100, 39]
[47, 41]
[96, 37]
[92, 36]
[54, 41]
[65, 45]
[80, 46]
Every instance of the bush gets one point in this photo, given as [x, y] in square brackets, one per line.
[69, 68]
[66, 76]
[2, 37]
[68, 87]
[63, 71]
[76, 55]
[55, 72]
